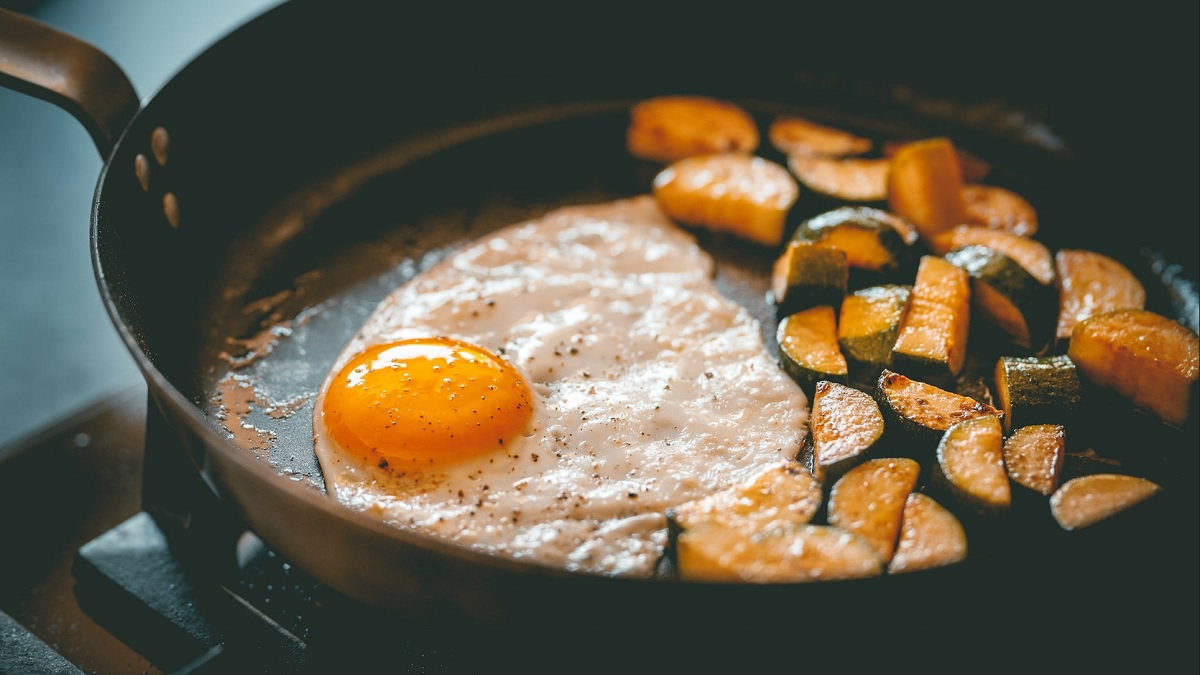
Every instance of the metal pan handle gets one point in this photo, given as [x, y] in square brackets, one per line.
[46, 63]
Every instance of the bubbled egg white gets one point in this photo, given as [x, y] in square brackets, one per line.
[547, 392]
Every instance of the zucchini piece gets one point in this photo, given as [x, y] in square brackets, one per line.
[930, 536]
[667, 129]
[869, 500]
[1084, 501]
[786, 554]
[844, 425]
[808, 347]
[1144, 357]
[908, 231]
[925, 185]
[970, 465]
[806, 275]
[868, 325]
[932, 339]
[1000, 209]
[850, 179]
[747, 196]
[870, 243]
[1034, 456]
[1037, 390]
[793, 135]
[1090, 283]
[922, 412]
[1007, 295]
[1029, 253]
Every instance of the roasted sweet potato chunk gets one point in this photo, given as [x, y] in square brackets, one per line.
[925, 185]
[1084, 501]
[746, 196]
[669, 128]
[1149, 359]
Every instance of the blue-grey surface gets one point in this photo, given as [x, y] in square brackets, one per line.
[59, 353]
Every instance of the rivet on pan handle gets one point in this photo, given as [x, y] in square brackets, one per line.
[41, 61]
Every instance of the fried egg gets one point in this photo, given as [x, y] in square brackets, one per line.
[545, 393]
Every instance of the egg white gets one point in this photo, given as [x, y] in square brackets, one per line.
[650, 388]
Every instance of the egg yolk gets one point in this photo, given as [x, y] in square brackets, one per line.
[426, 401]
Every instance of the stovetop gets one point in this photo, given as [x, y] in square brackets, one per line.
[71, 484]
[127, 563]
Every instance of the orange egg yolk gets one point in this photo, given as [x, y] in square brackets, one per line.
[426, 401]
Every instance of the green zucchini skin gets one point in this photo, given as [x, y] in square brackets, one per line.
[1038, 390]
[917, 414]
[845, 425]
[807, 275]
[983, 488]
[1036, 301]
[887, 250]
[867, 354]
[814, 355]
[932, 342]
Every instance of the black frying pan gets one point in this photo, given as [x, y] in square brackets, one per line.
[317, 149]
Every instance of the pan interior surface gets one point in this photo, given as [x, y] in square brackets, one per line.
[295, 288]
[298, 297]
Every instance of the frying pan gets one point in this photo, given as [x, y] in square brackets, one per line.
[251, 212]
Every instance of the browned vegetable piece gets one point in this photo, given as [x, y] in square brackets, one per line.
[907, 230]
[850, 179]
[869, 500]
[845, 423]
[1037, 390]
[974, 167]
[1007, 296]
[933, 333]
[1029, 253]
[999, 208]
[868, 324]
[930, 536]
[970, 465]
[1033, 456]
[786, 494]
[925, 185]
[1087, 500]
[793, 135]
[807, 274]
[923, 411]
[808, 347]
[1143, 356]
[787, 554]
[669, 128]
[747, 196]
[870, 243]
[1090, 283]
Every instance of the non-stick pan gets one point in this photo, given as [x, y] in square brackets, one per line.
[252, 211]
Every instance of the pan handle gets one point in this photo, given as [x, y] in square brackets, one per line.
[46, 63]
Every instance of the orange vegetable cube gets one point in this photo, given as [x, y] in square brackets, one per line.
[925, 185]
